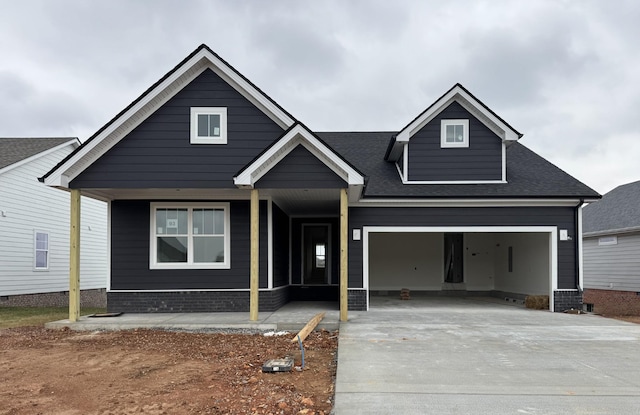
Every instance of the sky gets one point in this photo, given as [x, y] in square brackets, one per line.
[564, 73]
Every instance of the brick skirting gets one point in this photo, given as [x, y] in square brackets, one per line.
[613, 303]
[88, 298]
[193, 301]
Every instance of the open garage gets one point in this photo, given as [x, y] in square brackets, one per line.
[510, 262]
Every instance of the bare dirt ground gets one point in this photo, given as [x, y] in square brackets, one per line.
[156, 372]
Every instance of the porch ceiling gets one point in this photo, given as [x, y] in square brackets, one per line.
[300, 202]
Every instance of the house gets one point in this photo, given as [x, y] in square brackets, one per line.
[219, 199]
[612, 252]
[34, 229]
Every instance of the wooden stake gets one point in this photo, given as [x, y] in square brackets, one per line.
[308, 328]
[74, 257]
[255, 237]
[344, 241]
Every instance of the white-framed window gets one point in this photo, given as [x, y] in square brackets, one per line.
[194, 236]
[208, 125]
[40, 250]
[454, 133]
[608, 240]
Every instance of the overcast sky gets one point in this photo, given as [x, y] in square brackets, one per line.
[566, 74]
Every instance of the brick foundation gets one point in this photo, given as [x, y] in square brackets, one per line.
[88, 298]
[566, 300]
[193, 301]
[613, 303]
[357, 300]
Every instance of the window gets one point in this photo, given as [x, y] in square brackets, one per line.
[41, 251]
[321, 256]
[189, 236]
[608, 240]
[454, 133]
[208, 125]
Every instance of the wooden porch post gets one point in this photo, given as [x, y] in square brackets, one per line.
[344, 241]
[255, 235]
[74, 257]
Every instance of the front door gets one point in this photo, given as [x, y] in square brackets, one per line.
[315, 253]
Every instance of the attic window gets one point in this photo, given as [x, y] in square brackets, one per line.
[208, 125]
[454, 133]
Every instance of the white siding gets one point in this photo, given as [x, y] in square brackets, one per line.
[612, 267]
[29, 205]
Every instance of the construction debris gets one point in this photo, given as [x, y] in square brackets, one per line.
[278, 365]
[308, 328]
[537, 302]
[405, 294]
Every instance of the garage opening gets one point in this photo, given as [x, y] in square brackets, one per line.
[495, 262]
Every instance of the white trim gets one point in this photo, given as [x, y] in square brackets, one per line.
[197, 139]
[72, 141]
[163, 92]
[453, 182]
[392, 203]
[109, 213]
[35, 250]
[443, 133]
[580, 257]
[504, 162]
[405, 162]
[290, 248]
[618, 231]
[153, 264]
[458, 94]
[551, 230]
[269, 243]
[298, 135]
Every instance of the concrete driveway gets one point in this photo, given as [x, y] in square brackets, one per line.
[482, 356]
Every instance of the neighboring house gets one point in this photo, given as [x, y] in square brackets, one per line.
[34, 228]
[219, 199]
[612, 252]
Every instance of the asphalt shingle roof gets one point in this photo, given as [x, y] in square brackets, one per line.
[13, 150]
[617, 210]
[528, 174]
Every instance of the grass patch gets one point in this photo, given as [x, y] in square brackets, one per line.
[37, 316]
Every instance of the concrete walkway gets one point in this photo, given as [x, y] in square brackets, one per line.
[435, 355]
[291, 317]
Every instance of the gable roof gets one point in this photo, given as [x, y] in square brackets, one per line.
[14, 150]
[529, 175]
[159, 93]
[297, 135]
[472, 104]
[617, 212]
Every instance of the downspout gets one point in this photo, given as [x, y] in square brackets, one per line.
[578, 257]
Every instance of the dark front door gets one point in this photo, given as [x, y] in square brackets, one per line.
[316, 263]
[453, 243]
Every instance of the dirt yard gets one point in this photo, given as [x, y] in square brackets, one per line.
[155, 372]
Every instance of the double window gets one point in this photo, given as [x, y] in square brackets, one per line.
[41, 251]
[208, 125]
[454, 133]
[189, 236]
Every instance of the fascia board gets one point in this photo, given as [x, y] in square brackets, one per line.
[297, 136]
[140, 108]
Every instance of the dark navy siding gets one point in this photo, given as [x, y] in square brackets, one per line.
[130, 252]
[158, 154]
[280, 247]
[562, 217]
[482, 160]
[300, 169]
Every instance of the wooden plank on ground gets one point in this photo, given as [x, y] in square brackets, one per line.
[308, 328]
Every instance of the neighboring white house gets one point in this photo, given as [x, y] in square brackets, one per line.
[611, 252]
[34, 229]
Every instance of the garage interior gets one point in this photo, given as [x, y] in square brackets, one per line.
[500, 264]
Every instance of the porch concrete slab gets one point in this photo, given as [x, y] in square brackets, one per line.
[478, 355]
[291, 317]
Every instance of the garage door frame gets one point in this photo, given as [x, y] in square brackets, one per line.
[551, 230]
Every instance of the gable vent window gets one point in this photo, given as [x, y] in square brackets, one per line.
[454, 133]
[208, 125]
